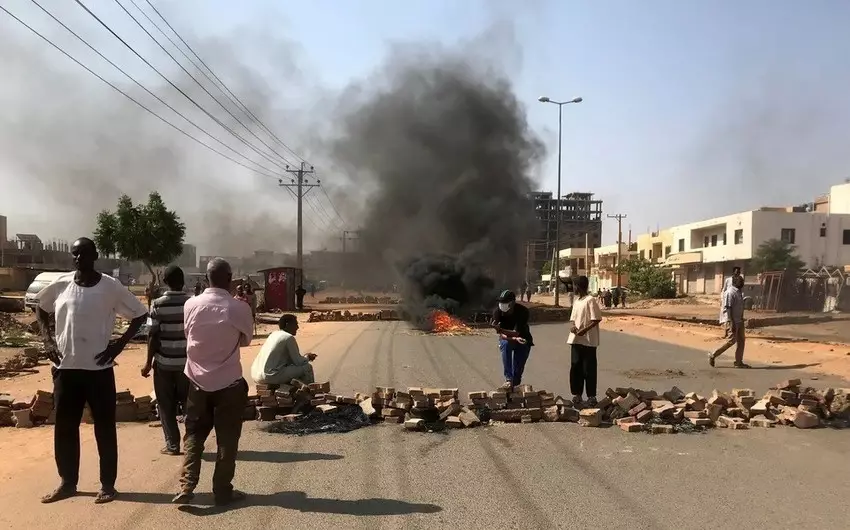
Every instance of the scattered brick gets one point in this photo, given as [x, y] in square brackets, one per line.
[660, 428]
[632, 427]
[590, 417]
[806, 420]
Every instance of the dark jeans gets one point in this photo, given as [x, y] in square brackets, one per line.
[171, 388]
[583, 370]
[72, 389]
[514, 357]
[220, 410]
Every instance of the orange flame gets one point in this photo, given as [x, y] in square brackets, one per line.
[442, 322]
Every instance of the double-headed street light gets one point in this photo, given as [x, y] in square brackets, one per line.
[556, 261]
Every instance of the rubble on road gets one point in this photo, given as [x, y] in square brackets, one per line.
[40, 410]
[348, 316]
[384, 300]
[299, 408]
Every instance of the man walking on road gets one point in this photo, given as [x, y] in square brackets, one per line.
[727, 284]
[217, 325]
[584, 340]
[167, 357]
[85, 303]
[733, 308]
[280, 361]
[511, 322]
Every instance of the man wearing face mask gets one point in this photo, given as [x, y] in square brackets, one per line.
[511, 322]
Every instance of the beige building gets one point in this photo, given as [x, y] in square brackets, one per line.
[705, 252]
[655, 246]
[605, 265]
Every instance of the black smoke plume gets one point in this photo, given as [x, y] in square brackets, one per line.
[444, 147]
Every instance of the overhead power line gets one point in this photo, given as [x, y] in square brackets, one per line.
[187, 96]
[131, 98]
[229, 93]
[201, 85]
[131, 78]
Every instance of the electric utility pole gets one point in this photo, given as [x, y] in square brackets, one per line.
[301, 187]
[619, 217]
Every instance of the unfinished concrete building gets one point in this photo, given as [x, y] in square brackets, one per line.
[581, 217]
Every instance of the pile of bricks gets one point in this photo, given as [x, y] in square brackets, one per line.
[272, 401]
[787, 403]
[385, 300]
[40, 411]
[348, 316]
[420, 408]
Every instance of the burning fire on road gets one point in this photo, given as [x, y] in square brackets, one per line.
[446, 324]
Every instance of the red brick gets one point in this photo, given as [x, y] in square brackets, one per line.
[590, 417]
[788, 384]
[289, 418]
[632, 427]
[414, 424]
[645, 416]
[469, 418]
[627, 419]
[637, 409]
[701, 422]
[662, 429]
[454, 422]
[806, 420]
[326, 409]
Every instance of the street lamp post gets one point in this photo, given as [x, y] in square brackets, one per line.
[556, 261]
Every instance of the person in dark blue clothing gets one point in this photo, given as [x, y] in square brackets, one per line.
[511, 323]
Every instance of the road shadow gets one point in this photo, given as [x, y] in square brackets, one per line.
[773, 367]
[276, 457]
[298, 500]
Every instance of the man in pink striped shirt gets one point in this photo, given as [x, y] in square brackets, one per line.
[217, 325]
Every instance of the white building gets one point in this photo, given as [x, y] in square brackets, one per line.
[706, 251]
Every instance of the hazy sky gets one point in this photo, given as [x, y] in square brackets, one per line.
[691, 109]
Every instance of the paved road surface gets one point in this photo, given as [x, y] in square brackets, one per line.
[509, 476]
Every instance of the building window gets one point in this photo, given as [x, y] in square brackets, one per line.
[739, 237]
[724, 239]
[650, 253]
[845, 237]
[714, 240]
[643, 254]
[823, 231]
[681, 245]
[667, 250]
[787, 235]
[705, 242]
[581, 263]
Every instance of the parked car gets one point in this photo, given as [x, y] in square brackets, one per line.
[40, 282]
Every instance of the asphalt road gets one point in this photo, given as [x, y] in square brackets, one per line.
[508, 476]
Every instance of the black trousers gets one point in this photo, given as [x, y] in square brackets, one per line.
[583, 370]
[72, 389]
[220, 410]
[171, 387]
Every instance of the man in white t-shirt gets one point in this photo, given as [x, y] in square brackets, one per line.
[85, 303]
[583, 340]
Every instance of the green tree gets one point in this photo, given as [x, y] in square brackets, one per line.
[547, 267]
[776, 255]
[149, 233]
[647, 279]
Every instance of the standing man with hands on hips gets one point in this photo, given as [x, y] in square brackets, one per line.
[584, 340]
[85, 303]
[515, 341]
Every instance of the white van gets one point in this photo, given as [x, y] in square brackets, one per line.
[40, 282]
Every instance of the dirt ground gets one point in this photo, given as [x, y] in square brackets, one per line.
[812, 357]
